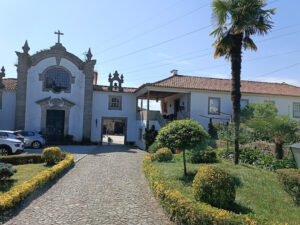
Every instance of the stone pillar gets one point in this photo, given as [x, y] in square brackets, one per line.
[24, 63]
[148, 106]
[88, 70]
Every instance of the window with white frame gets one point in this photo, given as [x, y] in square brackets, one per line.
[115, 103]
[243, 103]
[296, 110]
[214, 106]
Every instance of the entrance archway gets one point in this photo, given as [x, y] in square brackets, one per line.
[114, 130]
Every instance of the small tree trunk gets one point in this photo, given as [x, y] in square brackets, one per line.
[184, 164]
[236, 61]
[278, 150]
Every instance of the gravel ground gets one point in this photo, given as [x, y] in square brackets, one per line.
[79, 151]
[107, 187]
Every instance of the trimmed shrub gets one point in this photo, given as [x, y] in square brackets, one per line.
[183, 210]
[163, 155]
[214, 186]
[290, 180]
[52, 155]
[197, 155]
[6, 171]
[21, 159]
[154, 147]
[18, 193]
[182, 135]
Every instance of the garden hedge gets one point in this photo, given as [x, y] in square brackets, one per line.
[21, 159]
[183, 210]
[18, 193]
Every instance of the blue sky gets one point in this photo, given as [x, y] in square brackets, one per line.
[144, 40]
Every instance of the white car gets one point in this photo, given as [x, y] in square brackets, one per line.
[30, 138]
[10, 146]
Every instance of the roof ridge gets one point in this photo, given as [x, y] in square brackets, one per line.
[215, 78]
[108, 86]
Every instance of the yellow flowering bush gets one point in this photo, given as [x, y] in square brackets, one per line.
[52, 155]
[214, 186]
[183, 210]
[19, 192]
[163, 155]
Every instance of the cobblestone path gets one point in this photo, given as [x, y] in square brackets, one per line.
[107, 187]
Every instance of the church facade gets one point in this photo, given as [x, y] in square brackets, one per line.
[57, 94]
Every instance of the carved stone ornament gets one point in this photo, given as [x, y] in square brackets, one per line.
[118, 84]
[2, 74]
[56, 102]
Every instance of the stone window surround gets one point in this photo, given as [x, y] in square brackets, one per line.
[42, 77]
[110, 97]
[55, 104]
[295, 103]
[219, 107]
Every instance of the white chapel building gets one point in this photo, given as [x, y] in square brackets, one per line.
[57, 94]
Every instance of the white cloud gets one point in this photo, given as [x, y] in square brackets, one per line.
[170, 59]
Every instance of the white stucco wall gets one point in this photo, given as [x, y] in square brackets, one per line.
[7, 113]
[100, 110]
[199, 104]
[35, 93]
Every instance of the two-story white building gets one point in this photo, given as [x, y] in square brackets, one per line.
[57, 93]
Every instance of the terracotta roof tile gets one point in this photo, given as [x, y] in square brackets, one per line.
[106, 88]
[224, 85]
[10, 84]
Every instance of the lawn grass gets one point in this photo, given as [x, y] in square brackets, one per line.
[24, 173]
[258, 190]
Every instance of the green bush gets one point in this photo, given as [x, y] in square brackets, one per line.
[290, 179]
[257, 158]
[6, 171]
[183, 210]
[163, 155]
[149, 136]
[21, 159]
[68, 139]
[154, 147]
[182, 135]
[197, 155]
[52, 155]
[214, 186]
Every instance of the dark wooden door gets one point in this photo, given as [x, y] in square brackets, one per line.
[55, 124]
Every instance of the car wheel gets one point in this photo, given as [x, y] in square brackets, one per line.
[4, 150]
[36, 144]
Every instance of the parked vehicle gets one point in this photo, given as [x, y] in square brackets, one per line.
[31, 139]
[9, 145]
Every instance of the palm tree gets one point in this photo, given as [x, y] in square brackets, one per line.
[237, 20]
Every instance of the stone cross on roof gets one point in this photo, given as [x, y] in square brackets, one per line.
[58, 35]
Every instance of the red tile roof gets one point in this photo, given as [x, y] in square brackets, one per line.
[224, 85]
[10, 84]
[106, 88]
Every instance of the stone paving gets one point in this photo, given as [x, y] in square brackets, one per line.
[107, 187]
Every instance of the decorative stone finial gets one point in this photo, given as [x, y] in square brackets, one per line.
[26, 47]
[89, 55]
[116, 78]
[2, 74]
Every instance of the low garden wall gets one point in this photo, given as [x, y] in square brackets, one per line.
[185, 211]
[18, 193]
